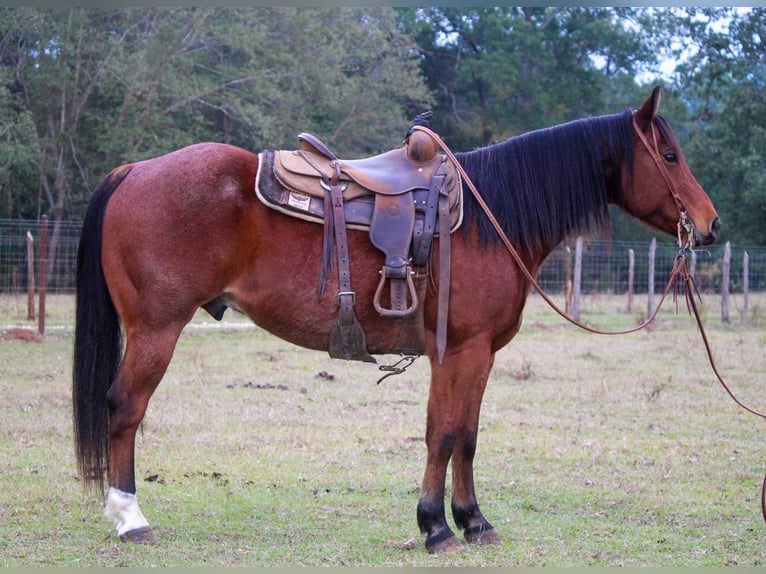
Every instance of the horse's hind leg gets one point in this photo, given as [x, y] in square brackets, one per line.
[147, 356]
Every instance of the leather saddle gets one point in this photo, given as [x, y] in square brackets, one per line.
[404, 198]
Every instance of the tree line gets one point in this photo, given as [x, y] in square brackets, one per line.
[83, 90]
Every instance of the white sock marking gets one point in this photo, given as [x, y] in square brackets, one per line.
[122, 508]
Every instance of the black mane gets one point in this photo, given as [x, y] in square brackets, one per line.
[548, 184]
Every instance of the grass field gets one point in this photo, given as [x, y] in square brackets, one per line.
[592, 450]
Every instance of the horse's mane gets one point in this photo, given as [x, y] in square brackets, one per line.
[548, 184]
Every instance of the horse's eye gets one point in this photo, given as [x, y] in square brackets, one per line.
[671, 158]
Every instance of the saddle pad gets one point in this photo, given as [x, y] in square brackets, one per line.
[306, 199]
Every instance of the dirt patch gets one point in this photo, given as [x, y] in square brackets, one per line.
[20, 334]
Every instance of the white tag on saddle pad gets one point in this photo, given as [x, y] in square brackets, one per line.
[299, 201]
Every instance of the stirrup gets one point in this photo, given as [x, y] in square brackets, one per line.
[395, 312]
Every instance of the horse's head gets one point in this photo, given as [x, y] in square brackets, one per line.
[664, 192]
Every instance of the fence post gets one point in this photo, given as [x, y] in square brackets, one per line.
[631, 275]
[650, 283]
[30, 277]
[745, 284]
[43, 270]
[693, 268]
[577, 279]
[725, 282]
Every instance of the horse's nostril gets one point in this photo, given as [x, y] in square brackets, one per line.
[715, 227]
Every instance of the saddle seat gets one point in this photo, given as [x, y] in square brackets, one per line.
[390, 173]
[403, 197]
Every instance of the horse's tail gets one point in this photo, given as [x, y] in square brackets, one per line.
[97, 341]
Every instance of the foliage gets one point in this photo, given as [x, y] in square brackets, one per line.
[17, 154]
[502, 71]
[724, 86]
[83, 89]
[106, 86]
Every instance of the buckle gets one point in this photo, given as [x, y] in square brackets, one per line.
[352, 293]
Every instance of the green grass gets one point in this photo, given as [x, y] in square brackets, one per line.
[592, 451]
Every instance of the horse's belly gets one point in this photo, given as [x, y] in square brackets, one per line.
[282, 296]
[310, 325]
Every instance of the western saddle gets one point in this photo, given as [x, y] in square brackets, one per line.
[404, 198]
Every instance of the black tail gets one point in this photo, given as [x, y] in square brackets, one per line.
[97, 342]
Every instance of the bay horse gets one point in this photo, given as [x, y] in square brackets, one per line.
[165, 236]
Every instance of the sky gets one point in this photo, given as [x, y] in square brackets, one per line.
[668, 64]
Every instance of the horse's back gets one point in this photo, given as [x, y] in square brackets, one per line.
[199, 172]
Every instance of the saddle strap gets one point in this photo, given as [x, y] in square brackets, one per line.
[310, 142]
[445, 276]
[423, 233]
[347, 339]
[327, 242]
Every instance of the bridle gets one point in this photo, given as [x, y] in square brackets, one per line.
[684, 223]
[680, 269]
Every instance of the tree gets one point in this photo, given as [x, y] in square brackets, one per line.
[723, 85]
[17, 153]
[93, 88]
[501, 71]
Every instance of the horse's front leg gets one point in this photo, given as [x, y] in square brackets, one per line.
[465, 508]
[454, 402]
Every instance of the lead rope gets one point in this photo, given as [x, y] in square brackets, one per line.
[690, 290]
[679, 269]
[520, 262]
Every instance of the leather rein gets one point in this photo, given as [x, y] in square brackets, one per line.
[680, 269]
[684, 224]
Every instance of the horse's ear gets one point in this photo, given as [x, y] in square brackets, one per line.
[646, 113]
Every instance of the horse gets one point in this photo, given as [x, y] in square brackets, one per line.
[165, 236]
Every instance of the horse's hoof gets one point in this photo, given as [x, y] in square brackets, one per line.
[143, 535]
[446, 543]
[483, 537]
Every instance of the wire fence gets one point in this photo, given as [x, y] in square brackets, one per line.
[606, 267]
[15, 264]
[605, 264]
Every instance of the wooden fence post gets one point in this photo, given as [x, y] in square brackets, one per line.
[650, 284]
[631, 275]
[576, 288]
[725, 282]
[745, 284]
[43, 270]
[693, 268]
[30, 277]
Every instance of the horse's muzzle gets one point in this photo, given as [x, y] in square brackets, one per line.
[711, 236]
